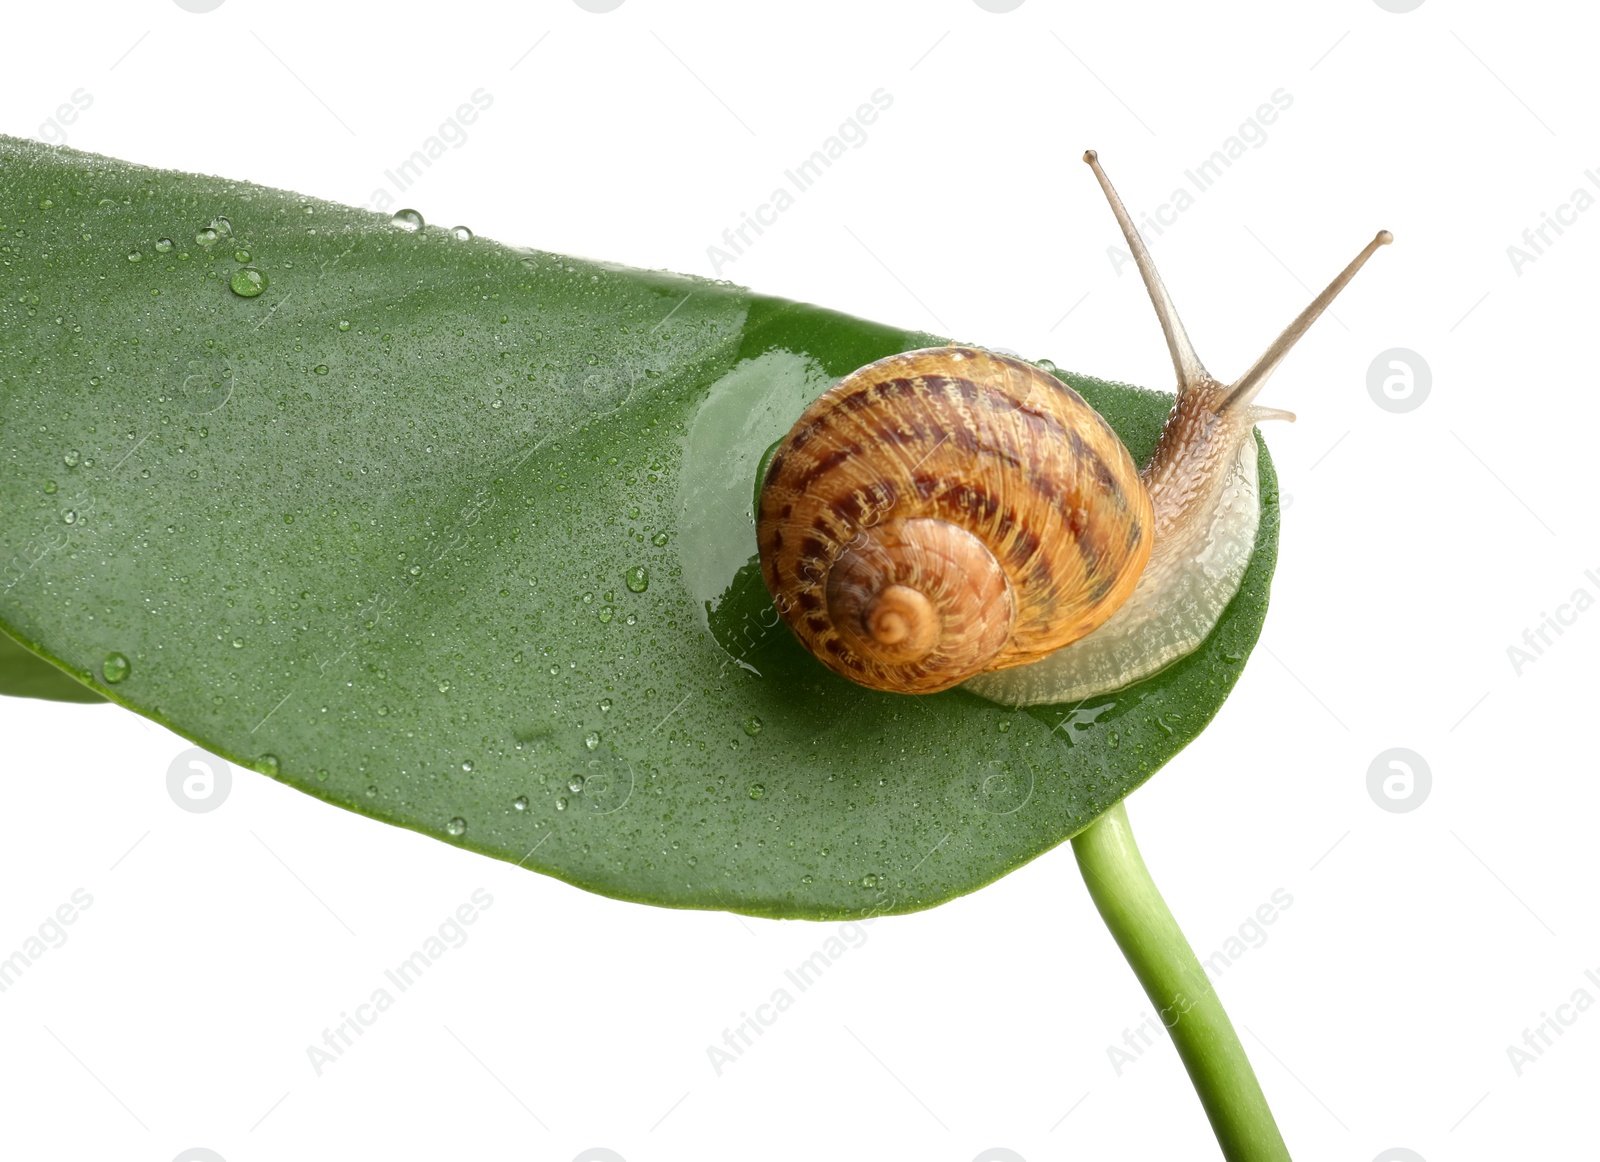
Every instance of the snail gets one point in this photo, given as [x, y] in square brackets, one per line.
[955, 515]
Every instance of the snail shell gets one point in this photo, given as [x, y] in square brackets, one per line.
[954, 515]
[948, 511]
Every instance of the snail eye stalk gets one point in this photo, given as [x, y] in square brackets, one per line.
[1251, 382]
[1191, 372]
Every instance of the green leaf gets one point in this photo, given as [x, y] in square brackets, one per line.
[458, 536]
[24, 674]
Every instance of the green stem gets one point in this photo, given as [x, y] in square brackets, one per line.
[1150, 938]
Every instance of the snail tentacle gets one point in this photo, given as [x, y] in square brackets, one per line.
[1205, 493]
[1190, 371]
[1251, 382]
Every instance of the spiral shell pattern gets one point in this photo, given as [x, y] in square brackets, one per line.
[945, 512]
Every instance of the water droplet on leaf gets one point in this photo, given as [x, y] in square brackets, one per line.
[408, 220]
[248, 283]
[637, 579]
[115, 668]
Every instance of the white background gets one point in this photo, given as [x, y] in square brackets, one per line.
[1416, 549]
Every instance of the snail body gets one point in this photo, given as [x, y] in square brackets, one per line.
[1205, 493]
[954, 515]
